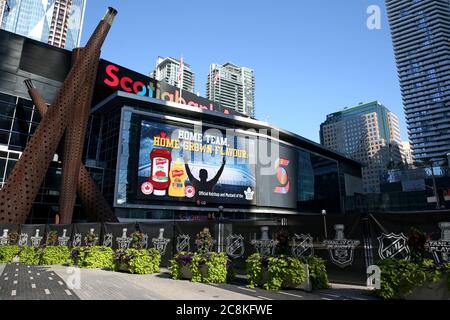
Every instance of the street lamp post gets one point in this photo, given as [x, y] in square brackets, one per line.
[220, 245]
[324, 214]
[429, 164]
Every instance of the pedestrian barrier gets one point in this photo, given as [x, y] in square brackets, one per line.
[348, 244]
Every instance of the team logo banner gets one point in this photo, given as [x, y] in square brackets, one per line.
[440, 249]
[161, 243]
[183, 243]
[393, 246]
[302, 245]
[235, 246]
[341, 250]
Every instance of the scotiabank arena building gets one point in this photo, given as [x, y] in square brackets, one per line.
[159, 154]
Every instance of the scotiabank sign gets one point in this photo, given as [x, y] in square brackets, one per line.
[112, 77]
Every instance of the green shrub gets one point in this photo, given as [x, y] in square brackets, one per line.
[93, 257]
[207, 268]
[254, 270]
[55, 255]
[155, 257]
[179, 260]
[8, 253]
[274, 272]
[30, 256]
[317, 272]
[399, 277]
[276, 269]
[294, 272]
[137, 261]
[216, 268]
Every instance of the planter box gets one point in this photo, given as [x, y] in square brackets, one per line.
[186, 272]
[288, 283]
[431, 291]
[123, 267]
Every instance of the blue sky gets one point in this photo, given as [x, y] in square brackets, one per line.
[310, 58]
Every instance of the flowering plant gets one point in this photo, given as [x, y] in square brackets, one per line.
[282, 237]
[137, 240]
[90, 239]
[51, 239]
[75, 253]
[13, 237]
[184, 259]
[204, 241]
[416, 242]
[212, 267]
[264, 260]
[121, 255]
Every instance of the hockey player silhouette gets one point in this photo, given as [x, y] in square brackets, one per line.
[203, 184]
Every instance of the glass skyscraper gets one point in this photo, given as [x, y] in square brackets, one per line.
[420, 33]
[368, 133]
[233, 87]
[57, 22]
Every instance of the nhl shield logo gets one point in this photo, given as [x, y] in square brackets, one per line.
[302, 245]
[108, 240]
[23, 239]
[235, 246]
[393, 246]
[183, 243]
[341, 250]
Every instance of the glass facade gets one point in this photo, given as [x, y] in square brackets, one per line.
[420, 31]
[317, 185]
[368, 133]
[57, 22]
[19, 118]
[318, 182]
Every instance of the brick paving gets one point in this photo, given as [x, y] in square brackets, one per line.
[19, 282]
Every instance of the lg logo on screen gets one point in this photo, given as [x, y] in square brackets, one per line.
[282, 176]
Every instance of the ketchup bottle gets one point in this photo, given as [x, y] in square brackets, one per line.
[159, 174]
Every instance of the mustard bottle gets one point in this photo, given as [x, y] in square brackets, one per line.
[177, 180]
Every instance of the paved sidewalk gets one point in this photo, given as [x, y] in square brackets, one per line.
[106, 285]
[347, 292]
[20, 282]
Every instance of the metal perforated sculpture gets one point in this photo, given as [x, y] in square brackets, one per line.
[94, 204]
[66, 115]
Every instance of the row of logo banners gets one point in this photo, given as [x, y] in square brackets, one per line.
[341, 250]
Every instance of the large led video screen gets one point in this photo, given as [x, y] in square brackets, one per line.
[188, 164]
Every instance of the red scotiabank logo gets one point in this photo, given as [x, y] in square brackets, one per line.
[127, 84]
[147, 88]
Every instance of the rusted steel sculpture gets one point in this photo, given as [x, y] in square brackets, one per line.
[73, 147]
[94, 204]
[22, 186]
